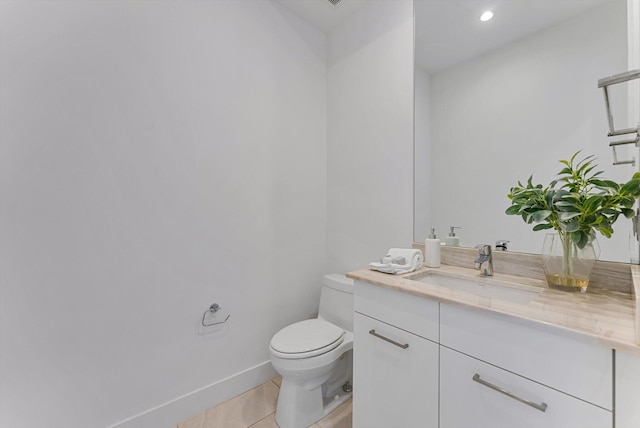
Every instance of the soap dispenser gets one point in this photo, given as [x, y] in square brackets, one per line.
[432, 250]
[452, 239]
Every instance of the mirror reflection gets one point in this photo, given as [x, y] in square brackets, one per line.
[499, 100]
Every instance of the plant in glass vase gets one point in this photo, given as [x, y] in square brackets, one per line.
[577, 204]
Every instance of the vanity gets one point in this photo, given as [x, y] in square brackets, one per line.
[445, 347]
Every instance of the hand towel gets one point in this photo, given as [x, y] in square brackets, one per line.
[392, 262]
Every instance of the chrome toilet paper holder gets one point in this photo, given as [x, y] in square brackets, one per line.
[212, 310]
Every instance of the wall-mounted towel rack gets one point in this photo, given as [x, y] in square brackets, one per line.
[604, 83]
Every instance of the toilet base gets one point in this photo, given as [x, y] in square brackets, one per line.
[299, 407]
[330, 404]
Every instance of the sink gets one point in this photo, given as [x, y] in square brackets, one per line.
[483, 286]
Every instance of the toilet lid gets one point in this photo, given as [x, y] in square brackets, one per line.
[307, 338]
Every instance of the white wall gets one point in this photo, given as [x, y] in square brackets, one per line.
[517, 111]
[370, 135]
[422, 157]
[155, 157]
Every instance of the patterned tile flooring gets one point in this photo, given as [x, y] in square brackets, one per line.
[256, 409]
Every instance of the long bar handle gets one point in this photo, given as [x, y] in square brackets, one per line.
[398, 344]
[542, 406]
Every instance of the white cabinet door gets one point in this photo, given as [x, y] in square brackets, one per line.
[469, 403]
[395, 384]
[627, 390]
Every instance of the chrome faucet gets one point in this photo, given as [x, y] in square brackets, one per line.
[484, 262]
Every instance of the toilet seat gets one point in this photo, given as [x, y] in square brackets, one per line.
[306, 339]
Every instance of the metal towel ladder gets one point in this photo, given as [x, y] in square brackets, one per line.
[604, 83]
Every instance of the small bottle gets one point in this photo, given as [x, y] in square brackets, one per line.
[452, 239]
[432, 250]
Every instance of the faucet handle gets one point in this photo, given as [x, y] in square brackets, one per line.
[484, 249]
[502, 244]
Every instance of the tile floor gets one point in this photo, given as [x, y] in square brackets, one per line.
[256, 409]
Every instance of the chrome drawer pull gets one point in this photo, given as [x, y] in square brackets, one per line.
[400, 345]
[542, 406]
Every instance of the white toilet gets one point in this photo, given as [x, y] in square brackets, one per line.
[315, 359]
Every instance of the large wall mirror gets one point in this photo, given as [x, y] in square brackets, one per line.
[500, 100]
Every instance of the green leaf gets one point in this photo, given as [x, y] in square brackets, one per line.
[538, 216]
[584, 164]
[606, 231]
[567, 171]
[564, 216]
[628, 212]
[593, 202]
[572, 226]
[580, 238]
[632, 187]
[605, 183]
[542, 226]
[513, 209]
[571, 208]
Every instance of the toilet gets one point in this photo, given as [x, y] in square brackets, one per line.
[314, 358]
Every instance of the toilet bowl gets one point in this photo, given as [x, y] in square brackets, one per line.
[314, 358]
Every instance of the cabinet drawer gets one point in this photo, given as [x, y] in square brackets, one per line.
[568, 362]
[396, 384]
[468, 403]
[408, 312]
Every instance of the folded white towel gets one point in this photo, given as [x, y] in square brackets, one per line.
[399, 261]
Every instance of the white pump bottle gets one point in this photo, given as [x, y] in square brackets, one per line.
[432, 250]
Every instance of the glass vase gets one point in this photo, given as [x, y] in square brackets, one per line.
[566, 266]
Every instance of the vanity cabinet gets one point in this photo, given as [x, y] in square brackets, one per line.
[467, 368]
[395, 359]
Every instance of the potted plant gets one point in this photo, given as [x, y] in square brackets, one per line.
[577, 204]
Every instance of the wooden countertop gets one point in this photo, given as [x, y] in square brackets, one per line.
[611, 317]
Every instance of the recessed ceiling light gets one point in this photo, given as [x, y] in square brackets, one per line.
[486, 16]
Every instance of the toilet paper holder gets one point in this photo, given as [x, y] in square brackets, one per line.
[212, 310]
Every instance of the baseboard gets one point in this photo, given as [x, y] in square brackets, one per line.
[175, 411]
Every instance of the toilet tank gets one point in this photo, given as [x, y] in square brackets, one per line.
[336, 301]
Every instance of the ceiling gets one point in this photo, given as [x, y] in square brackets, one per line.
[321, 13]
[449, 31]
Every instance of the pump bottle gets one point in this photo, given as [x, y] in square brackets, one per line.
[452, 239]
[432, 250]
